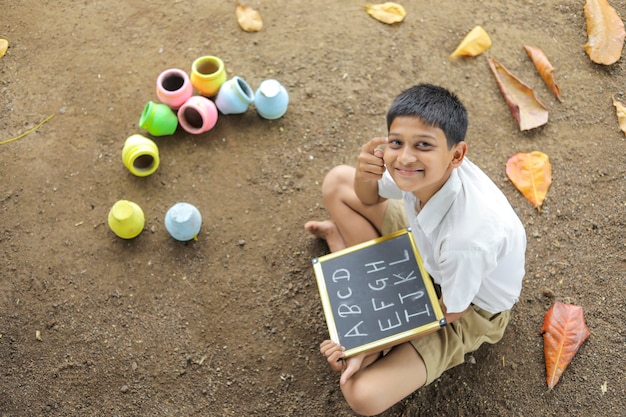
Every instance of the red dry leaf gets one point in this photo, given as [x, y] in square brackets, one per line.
[564, 331]
[545, 69]
[531, 173]
[524, 105]
[605, 32]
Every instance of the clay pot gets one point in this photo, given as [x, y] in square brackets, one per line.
[126, 219]
[197, 115]
[173, 87]
[234, 97]
[271, 99]
[158, 119]
[183, 221]
[208, 75]
[140, 155]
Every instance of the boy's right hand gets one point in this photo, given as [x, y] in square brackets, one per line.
[370, 164]
[333, 352]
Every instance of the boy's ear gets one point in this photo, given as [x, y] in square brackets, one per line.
[458, 153]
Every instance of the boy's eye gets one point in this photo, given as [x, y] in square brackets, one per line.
[395, 142]
[423, 145]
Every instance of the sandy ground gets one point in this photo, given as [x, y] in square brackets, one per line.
[230, 324]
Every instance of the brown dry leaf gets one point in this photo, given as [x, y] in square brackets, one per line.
[620, 110]
[388, 12]
[4, 45]
[249, 19]
[545, 68]
[475, 43]
[564, 331]
[605, 32]
[524, 105]
[531, 173]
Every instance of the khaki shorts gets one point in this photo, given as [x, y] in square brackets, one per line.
[395, 217]
[446, 348]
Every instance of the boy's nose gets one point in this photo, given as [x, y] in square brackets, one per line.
[407, 156]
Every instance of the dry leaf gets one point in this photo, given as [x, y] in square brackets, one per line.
[531, 173]
[620, 110]
[524, 105]
[475, 43]
[388, 12]
[564, 331]
[248, 18]
[545, 69]
[605, 32]
[4, 45]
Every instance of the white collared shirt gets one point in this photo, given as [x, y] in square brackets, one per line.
[471, 241]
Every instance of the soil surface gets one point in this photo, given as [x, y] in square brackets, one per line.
[230, 324]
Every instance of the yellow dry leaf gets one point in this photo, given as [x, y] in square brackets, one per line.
[475, 43]
[4, 45]
[620, 110]
[249, 19]
[605, 32]
[388, 12]
[531, 173]
[546, 71]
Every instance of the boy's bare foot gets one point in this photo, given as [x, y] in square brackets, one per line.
[328, 231]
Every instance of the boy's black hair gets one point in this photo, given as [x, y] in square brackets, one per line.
[436, 107]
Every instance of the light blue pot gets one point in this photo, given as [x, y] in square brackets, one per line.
[183, 221]
[234, 97]
[271, 99]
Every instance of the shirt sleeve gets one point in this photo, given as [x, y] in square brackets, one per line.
[387, 188]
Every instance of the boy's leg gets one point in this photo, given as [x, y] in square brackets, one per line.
[355, 222]
[388, 380]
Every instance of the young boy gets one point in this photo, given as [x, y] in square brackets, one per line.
[470, 239]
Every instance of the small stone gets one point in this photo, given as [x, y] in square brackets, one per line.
[124, 389]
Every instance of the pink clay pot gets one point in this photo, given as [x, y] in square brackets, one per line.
[197, 115]
[173, 87]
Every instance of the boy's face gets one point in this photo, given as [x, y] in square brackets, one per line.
[418, 158]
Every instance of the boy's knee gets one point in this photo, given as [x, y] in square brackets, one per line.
[336, 178]
[362, 402]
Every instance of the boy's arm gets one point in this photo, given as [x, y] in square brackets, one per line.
[370, 168]
[450, 317]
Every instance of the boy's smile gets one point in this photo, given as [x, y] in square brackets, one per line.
[418, 158]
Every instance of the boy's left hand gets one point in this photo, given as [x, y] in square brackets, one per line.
[353, 365]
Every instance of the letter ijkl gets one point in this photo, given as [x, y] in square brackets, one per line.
[405, 259]
[402, 280]
[409, 316]
[413, 296]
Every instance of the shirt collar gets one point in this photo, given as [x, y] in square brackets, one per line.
[436, 208]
